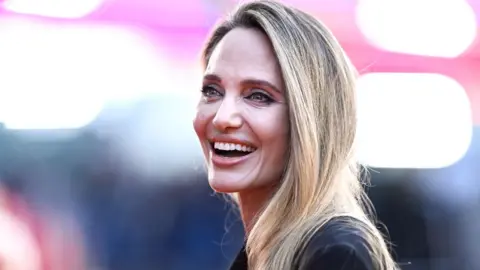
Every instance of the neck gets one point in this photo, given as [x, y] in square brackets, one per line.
[251, 204]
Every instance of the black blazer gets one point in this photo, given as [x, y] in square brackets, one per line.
[337, 246]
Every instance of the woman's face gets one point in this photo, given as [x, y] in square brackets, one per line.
[242, 117]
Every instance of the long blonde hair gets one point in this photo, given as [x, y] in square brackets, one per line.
[321, 177]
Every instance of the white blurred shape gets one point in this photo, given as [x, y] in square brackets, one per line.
[443, 28]
[18, 250]
[69, 9]
[162, 141]
[60, 76]
[412, 120]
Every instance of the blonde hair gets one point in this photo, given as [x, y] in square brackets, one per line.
[321, 177]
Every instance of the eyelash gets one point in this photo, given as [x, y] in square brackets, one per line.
[266, 99]
[208, 89]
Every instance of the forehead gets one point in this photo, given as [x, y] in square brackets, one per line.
[245, 54]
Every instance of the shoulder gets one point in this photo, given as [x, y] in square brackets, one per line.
[339, 244]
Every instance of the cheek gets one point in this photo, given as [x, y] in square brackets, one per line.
[272, 129]
[279, 137]
[198, 125]
[279, 141]
[200, 122]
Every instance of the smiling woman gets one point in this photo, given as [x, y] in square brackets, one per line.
[243, 107]
[277, 123]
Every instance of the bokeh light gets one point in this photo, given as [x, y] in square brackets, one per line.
[412, 120]
[443, 28]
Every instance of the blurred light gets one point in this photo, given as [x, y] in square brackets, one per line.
[412, 120]
[162, 141]
[53, 8]
[443, 28]
[60, 76]
[18, 249]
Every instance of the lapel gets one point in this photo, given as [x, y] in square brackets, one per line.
[241, 261]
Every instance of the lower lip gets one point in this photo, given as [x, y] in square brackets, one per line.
[222, 161]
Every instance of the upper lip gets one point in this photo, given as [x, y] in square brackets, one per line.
[230, 139]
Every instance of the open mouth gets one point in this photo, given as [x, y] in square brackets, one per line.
[231, 149]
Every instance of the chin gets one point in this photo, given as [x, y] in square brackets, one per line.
[226, 186]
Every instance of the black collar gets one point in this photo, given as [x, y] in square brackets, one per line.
[241, 261]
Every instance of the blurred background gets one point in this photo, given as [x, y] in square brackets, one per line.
[100, 167]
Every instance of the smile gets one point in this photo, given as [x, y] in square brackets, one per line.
[231, 149]
[228, 154]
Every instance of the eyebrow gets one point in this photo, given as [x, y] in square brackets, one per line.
[216, 78]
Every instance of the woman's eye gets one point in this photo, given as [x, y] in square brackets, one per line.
[210, 91]
[260, 98]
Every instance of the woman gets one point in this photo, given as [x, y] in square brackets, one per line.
[277, 123]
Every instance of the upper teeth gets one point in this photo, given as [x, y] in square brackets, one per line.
[232, 146]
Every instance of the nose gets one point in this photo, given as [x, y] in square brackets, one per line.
[228, 116]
